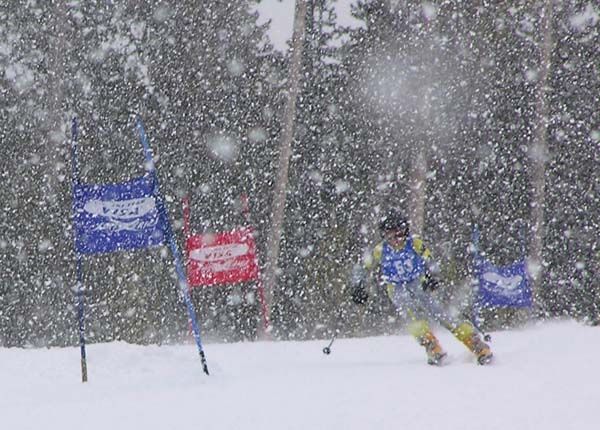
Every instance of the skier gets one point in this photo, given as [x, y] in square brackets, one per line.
[405, 266]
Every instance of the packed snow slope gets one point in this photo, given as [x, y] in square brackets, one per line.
[545, 377]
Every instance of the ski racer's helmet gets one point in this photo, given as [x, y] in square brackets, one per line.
[393, 221]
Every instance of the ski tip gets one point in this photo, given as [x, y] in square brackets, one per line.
[440, 360]
[485, 359]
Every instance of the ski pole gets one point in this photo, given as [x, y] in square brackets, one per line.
[340, 317]
[327, 349]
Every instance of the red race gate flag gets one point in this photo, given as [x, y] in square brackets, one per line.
[222, 258]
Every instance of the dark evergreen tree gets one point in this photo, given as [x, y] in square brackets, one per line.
[208, 98]
[442, 93]
[574, 149]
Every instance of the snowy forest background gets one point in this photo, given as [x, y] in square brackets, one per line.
[461, 113]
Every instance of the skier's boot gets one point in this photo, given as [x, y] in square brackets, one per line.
[435, 353]
[467, 335]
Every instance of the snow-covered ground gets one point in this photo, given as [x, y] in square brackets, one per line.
[545, 377]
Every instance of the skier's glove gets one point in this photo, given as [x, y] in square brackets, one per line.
[430, 283]
[359, 294]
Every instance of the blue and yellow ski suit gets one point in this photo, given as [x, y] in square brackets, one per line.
[404, 269]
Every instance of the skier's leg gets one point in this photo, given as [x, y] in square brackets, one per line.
[466, 333]
[420, 330]
[418, 326]
[463, 331]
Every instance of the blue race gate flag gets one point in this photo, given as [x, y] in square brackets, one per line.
[117, 217]
[503, 286]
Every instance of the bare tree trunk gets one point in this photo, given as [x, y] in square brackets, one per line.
[418, 189]
[539, 151]
[53, 125]
[278, 208]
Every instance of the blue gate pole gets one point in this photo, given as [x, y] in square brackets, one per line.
[79, 270]
[160, 206]
[475, 309]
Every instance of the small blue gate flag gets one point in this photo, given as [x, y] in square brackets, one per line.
[117, 217]
[507, 286]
